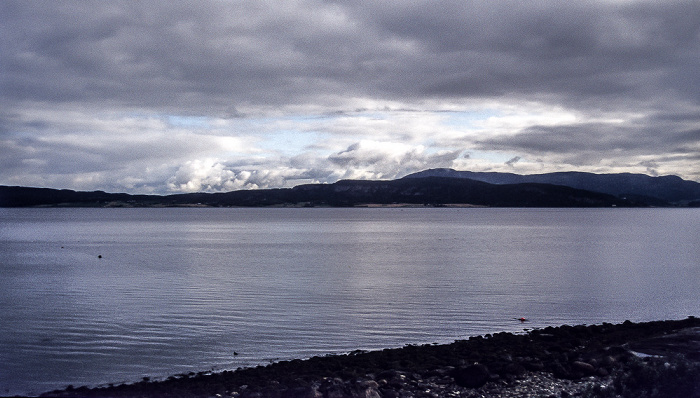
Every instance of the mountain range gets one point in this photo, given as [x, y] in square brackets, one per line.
[657, 190]
[434, 187]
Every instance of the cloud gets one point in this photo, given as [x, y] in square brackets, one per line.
[651, 167]
[510, 162]
[123, 95]
[591, 143]
[207, 176]
[305, 51]
[372, 159]
[361, 160]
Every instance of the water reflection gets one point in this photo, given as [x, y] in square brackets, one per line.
[180, 290]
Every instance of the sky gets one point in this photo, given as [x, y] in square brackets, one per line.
[185, 96]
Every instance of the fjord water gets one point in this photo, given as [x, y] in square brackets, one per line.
[180, 290]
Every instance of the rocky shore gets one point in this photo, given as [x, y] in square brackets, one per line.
[651, 359]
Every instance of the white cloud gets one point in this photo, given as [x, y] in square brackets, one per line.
[373, 159]
[207, 176]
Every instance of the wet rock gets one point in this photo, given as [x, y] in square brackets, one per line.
[388, 374]
[369, 393]
[443, 381]
[583, 367]
[367, 389]
[334, 388]
[619, 354]
[534, 365]
[439, 372]
[515, 369]
[397, 383]
[366, 384]
[387, 393]
[608, 361]
[472, 376]
[559, 371]
[251, 394]
[303, 392]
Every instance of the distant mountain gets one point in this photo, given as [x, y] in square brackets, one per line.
[442, 191]
[431, 191]
[653, 190]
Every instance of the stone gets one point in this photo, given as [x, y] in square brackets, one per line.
[472, 376]
[368, 384]
[389, 393]
[534, 365]
[515, 369]
[583, 367]
[608, 360]
[559, 371]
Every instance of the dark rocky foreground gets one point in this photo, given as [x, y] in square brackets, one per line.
[592, 361]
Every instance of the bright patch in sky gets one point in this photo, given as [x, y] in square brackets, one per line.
[200, 122]
[289, 142]
[467, 119]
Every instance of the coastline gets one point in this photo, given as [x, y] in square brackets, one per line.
[659, 358]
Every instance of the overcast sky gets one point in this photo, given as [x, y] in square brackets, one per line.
[168, 96]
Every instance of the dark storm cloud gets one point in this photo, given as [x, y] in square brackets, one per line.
[182, 53]
[591, 143]
[573, 49]
[191, 54]
[592, 137]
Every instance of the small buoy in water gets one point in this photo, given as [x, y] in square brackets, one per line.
[235, 353]
[100, 256]
[522, 319]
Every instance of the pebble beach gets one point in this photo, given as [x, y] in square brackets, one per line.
[652, 359]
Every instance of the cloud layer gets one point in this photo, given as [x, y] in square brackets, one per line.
[221, 95]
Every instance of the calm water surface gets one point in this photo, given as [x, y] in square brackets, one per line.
[180, 290]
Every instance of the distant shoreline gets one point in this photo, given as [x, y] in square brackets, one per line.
[425, 189]
[610, 358]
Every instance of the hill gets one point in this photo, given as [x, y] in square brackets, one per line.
[658, 191]
[431, 191]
